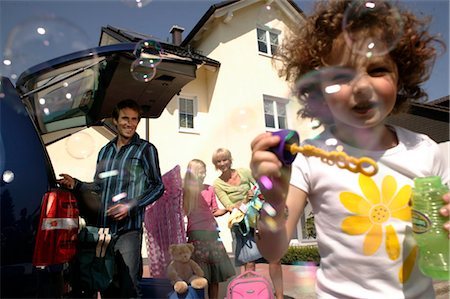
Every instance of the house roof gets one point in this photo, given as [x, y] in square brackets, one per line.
[125, 35]
[431, 118]
[235, 5]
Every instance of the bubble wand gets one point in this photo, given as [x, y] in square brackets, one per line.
[288, 149]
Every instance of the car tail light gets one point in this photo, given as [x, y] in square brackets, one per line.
[58, 229]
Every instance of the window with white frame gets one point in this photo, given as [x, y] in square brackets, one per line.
[268, 40]
[187, 107]
[275, 112]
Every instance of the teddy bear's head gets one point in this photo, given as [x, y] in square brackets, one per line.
[181, 252]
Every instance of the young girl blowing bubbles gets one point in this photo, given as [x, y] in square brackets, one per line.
[200, 206]
[351, 73]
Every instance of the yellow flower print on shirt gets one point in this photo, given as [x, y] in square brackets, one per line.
[374, 211]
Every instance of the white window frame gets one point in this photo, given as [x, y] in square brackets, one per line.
[194, 100]
[275, 101]
[267, 39]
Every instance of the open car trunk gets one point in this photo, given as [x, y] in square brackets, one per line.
[79, 90]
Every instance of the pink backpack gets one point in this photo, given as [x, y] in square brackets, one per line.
[249, 285]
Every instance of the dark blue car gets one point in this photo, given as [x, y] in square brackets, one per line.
[39, 219]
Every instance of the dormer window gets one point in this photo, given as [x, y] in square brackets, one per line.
[268, 40]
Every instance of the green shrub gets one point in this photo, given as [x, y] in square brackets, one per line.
[299, 254]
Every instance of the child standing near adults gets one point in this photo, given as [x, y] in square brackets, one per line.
[200, 207]
[365, 71]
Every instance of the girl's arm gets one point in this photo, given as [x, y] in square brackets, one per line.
[274, 233]
[219, 212]
[214, 207]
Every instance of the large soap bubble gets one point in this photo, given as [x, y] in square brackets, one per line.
[39, 39]
[80, 145]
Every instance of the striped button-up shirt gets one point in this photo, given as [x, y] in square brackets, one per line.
[130, 175]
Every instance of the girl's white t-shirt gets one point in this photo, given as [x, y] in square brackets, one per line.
[363, 223]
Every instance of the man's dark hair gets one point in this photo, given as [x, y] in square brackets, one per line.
[127, 103]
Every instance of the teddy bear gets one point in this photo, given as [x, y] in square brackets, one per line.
[182, 270]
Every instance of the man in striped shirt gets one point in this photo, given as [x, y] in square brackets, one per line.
[128, 178]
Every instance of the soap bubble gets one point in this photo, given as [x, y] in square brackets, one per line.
[149, 49]
[243, 118]
[8, 176]
[148, 57]
[372, 27]
[143, 69]
[316, 85]
[38, 35]
[136, 3]
[304, 274]
[326, 80]
[80, 145]
[269, 15]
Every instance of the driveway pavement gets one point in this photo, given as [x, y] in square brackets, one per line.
[298, 282]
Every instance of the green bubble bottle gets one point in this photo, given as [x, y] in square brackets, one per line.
[429, 233]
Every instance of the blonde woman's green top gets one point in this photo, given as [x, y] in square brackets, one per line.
[229, 194]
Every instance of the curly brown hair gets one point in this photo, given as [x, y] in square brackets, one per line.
[308, 46]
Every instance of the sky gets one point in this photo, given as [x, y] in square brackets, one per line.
[76, 24]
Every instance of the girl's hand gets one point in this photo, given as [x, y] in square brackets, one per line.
[273, 177]
[264, 162]
[445, 211]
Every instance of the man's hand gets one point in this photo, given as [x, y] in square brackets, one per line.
[67, 181]
[118, 211]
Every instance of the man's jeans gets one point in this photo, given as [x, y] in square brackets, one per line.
[129, 263]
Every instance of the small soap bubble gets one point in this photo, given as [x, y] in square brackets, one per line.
[8, 176]
[107, 174]
[271, 223]
[269, 209]
[136, 3]
[148, 57]
[331, 142]
[143, 69]
[149, 49]
[305, 276]
[266, 182]
[243, 118]
[269, 15]
[119, 196]
[372, 27]
[80, 145]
